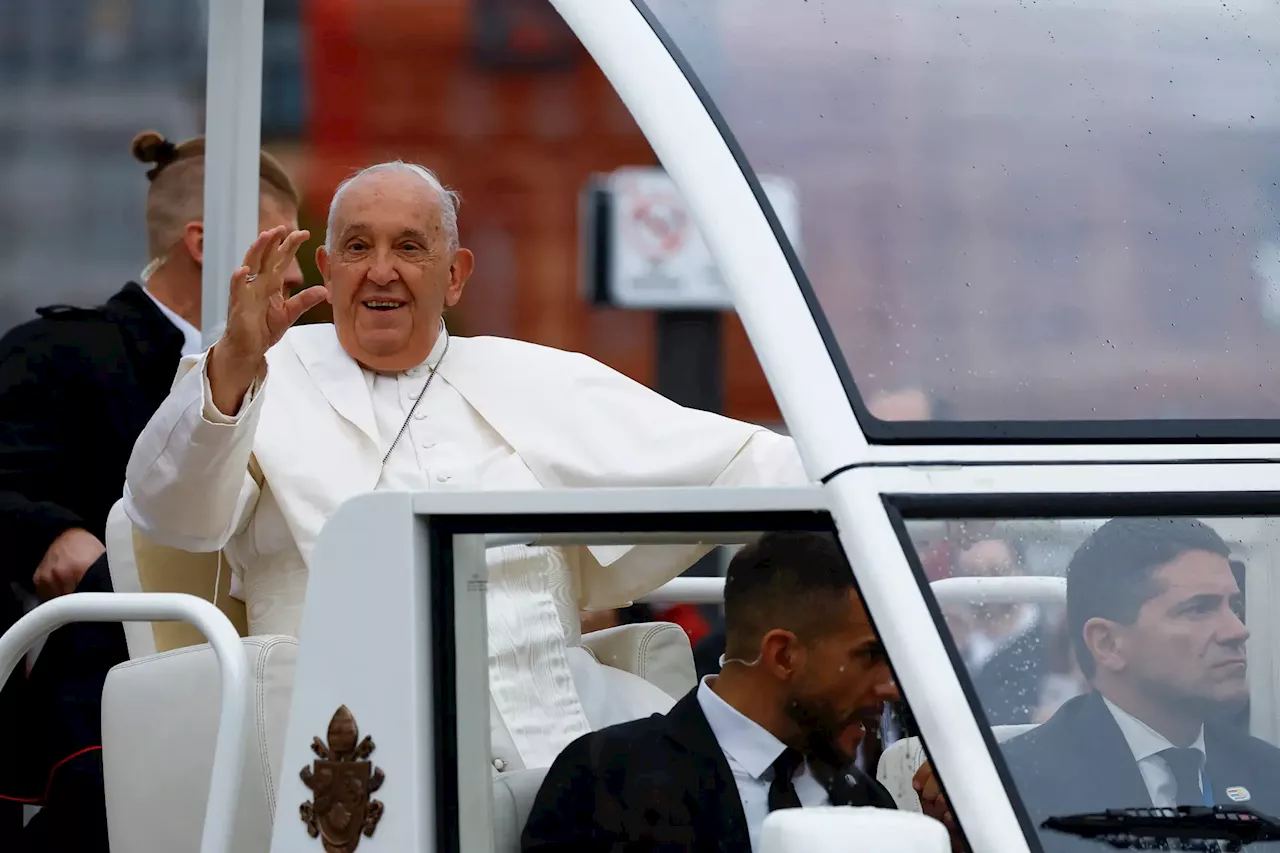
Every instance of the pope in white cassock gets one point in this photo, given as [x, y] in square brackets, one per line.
[267, 433]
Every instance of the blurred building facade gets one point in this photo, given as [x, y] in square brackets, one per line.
[78, 78]
[496, 95]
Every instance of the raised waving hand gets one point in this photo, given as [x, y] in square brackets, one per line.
[259, 312]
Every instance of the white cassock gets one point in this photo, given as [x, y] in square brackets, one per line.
[500, 414]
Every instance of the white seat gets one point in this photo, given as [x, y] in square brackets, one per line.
[159, 724]
[899, 763]
[140, 565]
[828, 829]
[513, 796]
[658, 652]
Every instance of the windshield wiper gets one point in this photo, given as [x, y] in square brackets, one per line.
[1191, 827]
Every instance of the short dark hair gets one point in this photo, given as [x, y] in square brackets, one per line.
[1109, 576]
[794, 581]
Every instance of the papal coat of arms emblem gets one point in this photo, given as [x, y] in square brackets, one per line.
[342, 780]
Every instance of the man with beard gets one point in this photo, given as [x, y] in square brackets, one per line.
[803, 667]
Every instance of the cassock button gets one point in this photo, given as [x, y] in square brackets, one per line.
[499, 765]
[444, 478]
[419, 415]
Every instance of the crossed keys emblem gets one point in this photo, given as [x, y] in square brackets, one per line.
[341, 781]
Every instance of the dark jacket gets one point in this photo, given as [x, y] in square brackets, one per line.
[1008, 685]
[77, 385]
[657, 784]
[1078, 761]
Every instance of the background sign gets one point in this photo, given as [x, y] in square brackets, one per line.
[643, 249]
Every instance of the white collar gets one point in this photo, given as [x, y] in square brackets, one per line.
[437, 349]
[1144, 741]
[192, 343]
[432, 361]
[741, 738]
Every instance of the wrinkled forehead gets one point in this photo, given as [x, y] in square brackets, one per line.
[392, 200]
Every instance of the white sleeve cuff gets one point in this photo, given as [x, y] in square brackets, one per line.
[210, 412]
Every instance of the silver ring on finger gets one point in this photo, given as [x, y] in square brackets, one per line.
[251, 277]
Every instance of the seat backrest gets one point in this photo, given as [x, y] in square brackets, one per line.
[513, 795]
[899, 763]
[658, 652]
[159, 725]
[140, 565]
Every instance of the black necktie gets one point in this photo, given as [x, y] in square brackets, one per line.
[1185, 764]
[782, 793]
[831, 769]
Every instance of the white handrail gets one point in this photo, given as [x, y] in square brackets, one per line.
[1029, 589]
[228, 753]
[687, 591]
[1025, 588]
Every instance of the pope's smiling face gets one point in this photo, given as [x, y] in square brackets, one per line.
[391, 267]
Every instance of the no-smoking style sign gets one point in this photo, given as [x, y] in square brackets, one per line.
[658, 226]
[655, 256]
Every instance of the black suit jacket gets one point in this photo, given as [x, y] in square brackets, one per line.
[1078, 761]
[1009, 684]
[77, 385]
[657, 784]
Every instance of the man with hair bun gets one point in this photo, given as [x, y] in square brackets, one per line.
[105, 368]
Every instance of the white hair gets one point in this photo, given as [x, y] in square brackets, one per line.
[449, 200]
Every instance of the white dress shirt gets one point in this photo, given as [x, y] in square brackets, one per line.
[751, 751]
[192, 343]
[1146, 743]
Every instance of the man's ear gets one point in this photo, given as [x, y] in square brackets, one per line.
[193, 241]
[464, 263]
[1105, 641]
[781, 653]
[322, 261]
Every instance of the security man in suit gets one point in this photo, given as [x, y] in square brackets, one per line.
[804, 667]
[1155, 614]
[76, 387]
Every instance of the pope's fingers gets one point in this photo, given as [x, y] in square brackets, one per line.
[283, 254]
[303, 301]
[257, 254]
[239, 278]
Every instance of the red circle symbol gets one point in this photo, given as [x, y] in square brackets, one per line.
[658, 226]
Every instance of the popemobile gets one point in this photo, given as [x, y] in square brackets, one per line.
[1054, 223]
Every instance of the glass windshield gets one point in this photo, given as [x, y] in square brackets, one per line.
[1021, 211]
[1109, 657]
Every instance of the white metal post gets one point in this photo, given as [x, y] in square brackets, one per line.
[229, 752]
[233, 131]
[921, 664]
